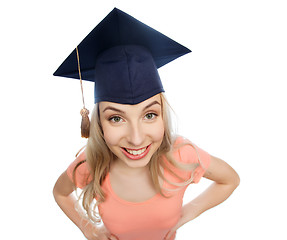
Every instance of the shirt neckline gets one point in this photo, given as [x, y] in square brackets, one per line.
[153, 198]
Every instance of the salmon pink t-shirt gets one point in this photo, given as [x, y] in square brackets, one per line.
[151, 219]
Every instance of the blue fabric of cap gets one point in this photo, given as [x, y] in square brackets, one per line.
[121, 55]
[126, 74]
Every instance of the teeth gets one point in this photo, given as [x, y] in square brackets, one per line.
[138, 152]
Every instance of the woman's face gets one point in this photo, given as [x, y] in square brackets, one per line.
[133, 132]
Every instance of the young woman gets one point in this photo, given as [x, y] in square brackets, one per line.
[134, 170]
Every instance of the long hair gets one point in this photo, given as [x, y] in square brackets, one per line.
[99, 157]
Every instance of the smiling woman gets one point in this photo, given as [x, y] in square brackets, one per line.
[134, 168]
[127, 156]
[138, 131]
[128, 137]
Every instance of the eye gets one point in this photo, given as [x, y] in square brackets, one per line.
[150, 116]
[116, 119]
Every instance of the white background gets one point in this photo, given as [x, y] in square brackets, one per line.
[229, 95]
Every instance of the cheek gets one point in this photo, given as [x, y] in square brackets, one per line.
[157, 131]
[112, 135]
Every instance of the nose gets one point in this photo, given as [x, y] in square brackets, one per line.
[135, 135]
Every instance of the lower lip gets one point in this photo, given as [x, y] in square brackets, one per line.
[136, 157]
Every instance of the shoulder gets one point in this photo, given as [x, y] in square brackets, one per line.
[186, 151]
[192, 157]
[79, 163]
[79, 170]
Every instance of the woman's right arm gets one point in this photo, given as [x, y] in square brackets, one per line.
[62, 191]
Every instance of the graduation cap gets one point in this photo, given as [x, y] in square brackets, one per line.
[121, 55]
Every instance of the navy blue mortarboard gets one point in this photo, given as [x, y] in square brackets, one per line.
[121, 55]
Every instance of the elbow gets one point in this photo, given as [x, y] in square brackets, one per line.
[233, 181]
[57, 189]
[55, 192]
[63, 187]
[236, 180]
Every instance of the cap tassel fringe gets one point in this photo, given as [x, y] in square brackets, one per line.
[85, 124]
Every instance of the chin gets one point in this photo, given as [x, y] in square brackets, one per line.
[138, 163]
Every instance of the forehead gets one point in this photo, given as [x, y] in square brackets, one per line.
[155, 99]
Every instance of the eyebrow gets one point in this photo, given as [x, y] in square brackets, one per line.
[151, 104]
[114, 109]
[120, 111]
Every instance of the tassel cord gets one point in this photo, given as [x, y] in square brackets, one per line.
[85, 124]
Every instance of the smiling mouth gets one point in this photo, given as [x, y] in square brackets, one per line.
[136, 154]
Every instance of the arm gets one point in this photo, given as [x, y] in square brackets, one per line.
[225, 181]
[62, 191]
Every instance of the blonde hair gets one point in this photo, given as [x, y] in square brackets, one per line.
[99, 157]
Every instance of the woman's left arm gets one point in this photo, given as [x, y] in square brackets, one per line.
[225, 181]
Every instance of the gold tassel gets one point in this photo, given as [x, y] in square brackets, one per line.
[85, 125]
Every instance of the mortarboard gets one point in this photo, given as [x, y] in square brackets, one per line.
[121, 55]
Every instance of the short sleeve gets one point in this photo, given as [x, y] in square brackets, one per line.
[190, 153]
[82, 173]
